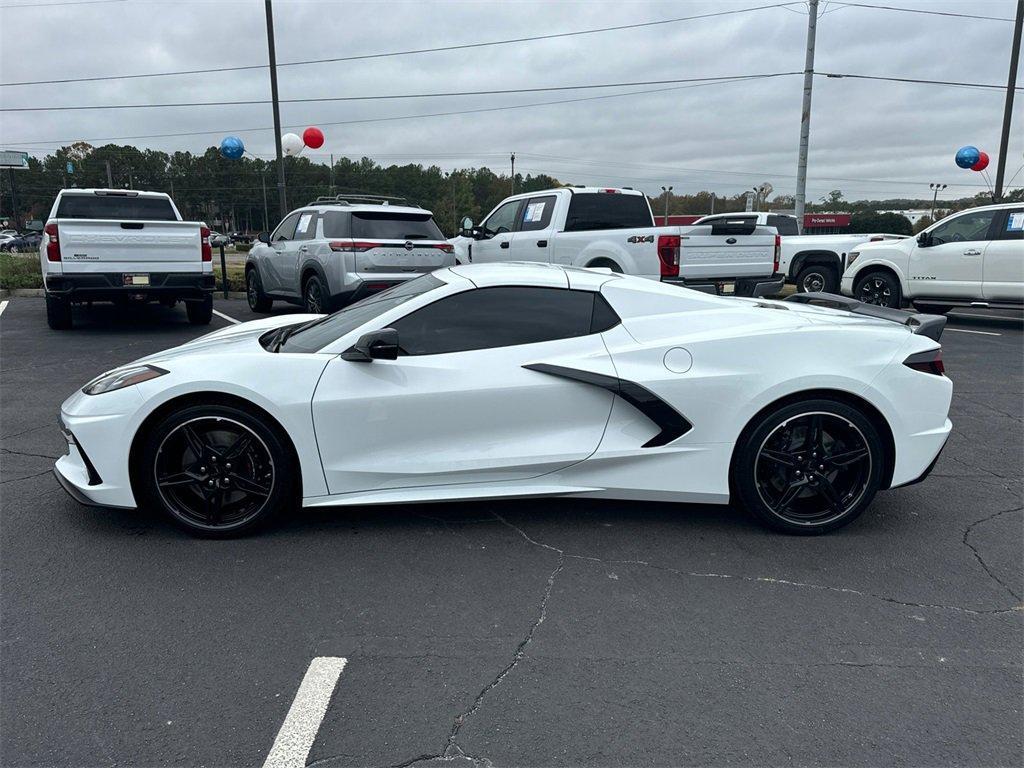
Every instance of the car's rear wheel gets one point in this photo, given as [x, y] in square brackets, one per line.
[58, 313]
[817, 278]
[809, 467]
[314, 296]
[258, 300]
[216, 470]
[879, 288]
[200, 312]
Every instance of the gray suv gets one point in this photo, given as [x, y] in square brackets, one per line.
[337, 250]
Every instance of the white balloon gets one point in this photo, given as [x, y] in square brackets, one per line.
[292, 144]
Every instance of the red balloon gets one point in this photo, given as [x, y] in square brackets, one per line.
[314, 139]
[982, 163]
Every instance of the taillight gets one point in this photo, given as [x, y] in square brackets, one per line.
[352, 246]
[927, 362]
[668, 253]
[205, 249]
[446, 247]
[52, 242]
[778, 253]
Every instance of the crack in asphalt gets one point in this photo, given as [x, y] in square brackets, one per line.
[26, 431]
[23, 453]
[27, 477]
[983, 404]
[977, 554]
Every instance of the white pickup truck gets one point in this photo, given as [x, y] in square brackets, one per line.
[613, 228]
[814, 263]
[123, 246]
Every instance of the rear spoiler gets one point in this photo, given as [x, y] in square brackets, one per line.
[930, 326]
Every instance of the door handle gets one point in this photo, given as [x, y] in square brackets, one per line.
[303, 247]
[972, 252]
[542, 243]
[503, 244]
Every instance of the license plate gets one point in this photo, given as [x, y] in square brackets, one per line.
[136, 279]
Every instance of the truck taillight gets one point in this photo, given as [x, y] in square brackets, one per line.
[927, 362]
[205, 249]
[52, 242]
[778, 253]
[668, 254]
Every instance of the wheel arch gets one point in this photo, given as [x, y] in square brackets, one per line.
[880, 266]
[604, 261]
[874, 415]
[819, 257]
[309, 268]
[205, 398]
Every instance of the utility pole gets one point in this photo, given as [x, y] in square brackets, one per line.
[110, 177]
[1011, 84]
[263, 183]
[277, 108]
[805, 116]
[513, 173]
[712, 202]
[666, 190]
[936, 188]
[131, 179]
[332, 173]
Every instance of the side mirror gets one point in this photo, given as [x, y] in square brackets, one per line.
[924, 239]
[376, 345]
[264, 237]
[466, 227]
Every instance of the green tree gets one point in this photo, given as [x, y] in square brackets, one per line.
[870, 221]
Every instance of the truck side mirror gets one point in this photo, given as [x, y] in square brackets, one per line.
[264, 237]
[376, 345]
[924, 239]
[466, 227]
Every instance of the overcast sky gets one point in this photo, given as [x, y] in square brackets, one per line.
[867, 138]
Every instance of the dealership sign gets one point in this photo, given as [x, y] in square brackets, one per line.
[14, 160]
[826, 219]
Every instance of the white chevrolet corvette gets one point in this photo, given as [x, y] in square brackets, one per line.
[516, 380]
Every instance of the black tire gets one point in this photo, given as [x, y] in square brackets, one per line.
[817, 278]
[608, 264]
[58, 313]
[315, 298]
[879, 288]
[796, 483]
[258, 300]
[194, 469]
[200, 312]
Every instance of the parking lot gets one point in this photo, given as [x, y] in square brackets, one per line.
[537, 632]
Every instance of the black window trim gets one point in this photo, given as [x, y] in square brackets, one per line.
[515, 216]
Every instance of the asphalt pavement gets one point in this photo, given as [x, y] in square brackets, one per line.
[526, 633]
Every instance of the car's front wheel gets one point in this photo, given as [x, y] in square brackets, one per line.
[216, 470]
[880, 288]
[809, 467]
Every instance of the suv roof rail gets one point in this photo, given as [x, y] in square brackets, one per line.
[346, 199]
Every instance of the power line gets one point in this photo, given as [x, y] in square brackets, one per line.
[377, 119]
[319, 99]
[53, 5]
[959, 84]
[921, 11]
[411, 52]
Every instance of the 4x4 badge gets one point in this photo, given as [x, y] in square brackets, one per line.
[641, 239]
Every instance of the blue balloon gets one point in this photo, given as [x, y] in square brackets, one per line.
[232, 148]
[967, 156]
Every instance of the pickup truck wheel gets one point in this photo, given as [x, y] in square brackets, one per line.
[314, 296]
[879, 288]
[200, 312]
[258, 300]
[817, 278]
[58, 313]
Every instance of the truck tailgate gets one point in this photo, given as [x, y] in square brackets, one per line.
[726, 256]
[94, 245]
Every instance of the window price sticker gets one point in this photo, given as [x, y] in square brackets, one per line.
[1016, 222]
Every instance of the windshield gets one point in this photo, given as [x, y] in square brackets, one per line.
[318, 334]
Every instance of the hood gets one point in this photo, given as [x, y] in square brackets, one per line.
[234, 337]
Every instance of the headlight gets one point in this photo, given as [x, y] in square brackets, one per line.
[851, 257]
[122, 377]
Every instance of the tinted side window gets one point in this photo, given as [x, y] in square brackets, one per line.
[607, 210]
[503, 219]
[784, 225]
[537, 213]
[286, 229]
[496, 317]
[120, 207]
[305, 229]
[967, 227]
[1013, 225]
[336, 223]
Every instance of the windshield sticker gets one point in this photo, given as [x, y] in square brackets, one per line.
[534, 212]
[1016, 222]
[304, 222]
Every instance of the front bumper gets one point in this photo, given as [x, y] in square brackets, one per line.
[846, 286]
[109, 286]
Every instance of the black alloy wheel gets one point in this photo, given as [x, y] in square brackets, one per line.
[216, 470]
[811, 468]
[879, 288]
[314, 296]
[258, 301]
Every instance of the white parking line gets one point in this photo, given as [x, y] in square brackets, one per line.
[980, 333]
[294, 740]
[227, 317]
[3, 306]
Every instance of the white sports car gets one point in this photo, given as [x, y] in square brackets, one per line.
[517, 380]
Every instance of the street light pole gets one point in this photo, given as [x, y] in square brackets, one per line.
[666, 190]
[277, 108]
[805, 116]
[1011, 85]
[513, 173]
[936, 188]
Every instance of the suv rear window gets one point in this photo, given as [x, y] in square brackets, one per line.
[607, 210]
[121, 208]
[382, 225]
